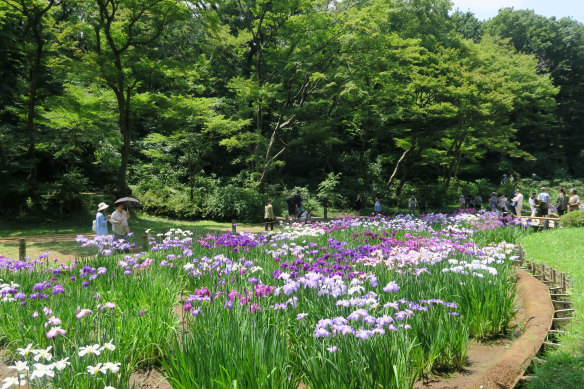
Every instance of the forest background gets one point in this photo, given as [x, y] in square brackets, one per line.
[206, 109]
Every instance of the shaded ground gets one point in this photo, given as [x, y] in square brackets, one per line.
[64, 248]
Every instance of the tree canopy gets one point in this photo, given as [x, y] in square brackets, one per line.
[269, 95]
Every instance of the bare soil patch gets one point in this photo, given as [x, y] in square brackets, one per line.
[481, 356]
[149, 379]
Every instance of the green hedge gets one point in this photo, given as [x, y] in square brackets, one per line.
[233, 202]
[572, 219]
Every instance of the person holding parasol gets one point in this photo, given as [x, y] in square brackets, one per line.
[119, 218]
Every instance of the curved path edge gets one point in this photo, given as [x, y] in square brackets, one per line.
[539, 313]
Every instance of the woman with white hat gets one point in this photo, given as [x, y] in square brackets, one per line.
[101, 220]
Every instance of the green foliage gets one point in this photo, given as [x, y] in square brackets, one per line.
[165, 203]
[230, 202]
[572, 219]
[65, 192]
[327, 191]
[158, 94]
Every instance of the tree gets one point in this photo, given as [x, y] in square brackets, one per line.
[282, 51]
[37, 17]
[121, 36]
[559, 47]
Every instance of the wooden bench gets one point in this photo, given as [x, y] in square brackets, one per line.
[542, 221]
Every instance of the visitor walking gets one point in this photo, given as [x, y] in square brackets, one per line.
[269, 215]
[291, 208]
[101, 220]
[533, 204]
[358, 205]
[119, 221]
[518, 200]
[493, 202]
[478, 202]
[562, 201]
[377, 204]
[412, 206]
[298, 204]
[574, 201]
[502, 204]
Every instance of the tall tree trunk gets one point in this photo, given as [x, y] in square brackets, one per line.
[31, 106]
[453, 168]
[125, 123]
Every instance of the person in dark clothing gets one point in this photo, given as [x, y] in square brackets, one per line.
[298, 203]
[478, 202]
[291, 208]
[422, 204]
[358, 205]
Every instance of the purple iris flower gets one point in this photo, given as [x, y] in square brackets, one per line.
[392, 286]
[58, 289]
[321, 333]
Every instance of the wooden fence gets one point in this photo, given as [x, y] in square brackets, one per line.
[559, 285]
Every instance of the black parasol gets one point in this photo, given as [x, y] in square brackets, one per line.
[128, 202]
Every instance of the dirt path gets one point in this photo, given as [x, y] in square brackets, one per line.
[499, 364]
[63, 247]
[45, 238]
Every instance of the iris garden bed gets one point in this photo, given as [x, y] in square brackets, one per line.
[368, 302]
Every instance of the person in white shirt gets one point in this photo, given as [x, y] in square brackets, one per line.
[532, 204]
[119, 221]
[518, 200]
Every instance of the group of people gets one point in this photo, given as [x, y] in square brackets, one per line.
[501, 203]
[118, 219]
[413, 204]
[540, 204]
[467, 201]
[296, 211]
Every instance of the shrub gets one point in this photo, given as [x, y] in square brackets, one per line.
[64, 192]
[243, 204]
[572, 219]
[164, 202]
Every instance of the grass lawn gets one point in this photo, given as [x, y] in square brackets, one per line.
[81, 224]
[43, 229]
[563, 250]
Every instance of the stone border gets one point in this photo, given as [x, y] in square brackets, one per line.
[539, 313]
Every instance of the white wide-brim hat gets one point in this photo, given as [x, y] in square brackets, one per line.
[102, 206]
